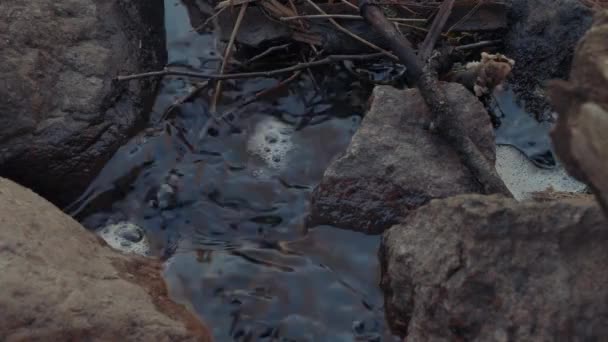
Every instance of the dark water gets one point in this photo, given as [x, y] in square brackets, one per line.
[227, 208]
[521, 130]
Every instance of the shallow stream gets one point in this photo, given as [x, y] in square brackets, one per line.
[225, 205]
[226, 208]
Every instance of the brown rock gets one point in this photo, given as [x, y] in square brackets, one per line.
[486, 268]
[395, 164]
[61, 283]
[580, 135]
[61, 114]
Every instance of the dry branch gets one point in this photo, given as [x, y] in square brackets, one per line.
[445, 117]
[300, 66]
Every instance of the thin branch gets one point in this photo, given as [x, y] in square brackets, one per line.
[230, 3]
[227, 54]
[266, 53]
[483, 43]
[444, 115]
[466, 16]
[347, 16]
[426, 48]
[349, 33]
[327, 60]
[348, 3]
[194, 92]
[206, 22]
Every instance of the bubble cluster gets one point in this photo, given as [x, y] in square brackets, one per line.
[523, 178]
[271, 140]
[126, 237]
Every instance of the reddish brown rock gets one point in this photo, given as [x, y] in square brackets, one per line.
[395, 163]
[62, 283]
[486, 268]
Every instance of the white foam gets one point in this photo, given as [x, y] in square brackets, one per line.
[271, 140]
[522, 177]
[116, 235]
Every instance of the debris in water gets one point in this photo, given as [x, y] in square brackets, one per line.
[126, 237]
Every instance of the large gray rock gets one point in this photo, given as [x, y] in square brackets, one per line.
[61, 283]
[486, 268]
[61, 115]
[541, 40]
[394, 164]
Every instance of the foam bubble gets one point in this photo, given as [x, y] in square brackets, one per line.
[522, 177]
[271, 140]
[126, 237]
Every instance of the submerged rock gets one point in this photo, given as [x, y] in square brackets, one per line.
[61, 283]
[541, 39]
[62, 114]
[486, 268]
[394, 164]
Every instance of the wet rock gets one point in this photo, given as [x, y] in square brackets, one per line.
[60, 282]
[541, 40]
[580, 134]
[394, 164]
[61, 114]
[486, 268]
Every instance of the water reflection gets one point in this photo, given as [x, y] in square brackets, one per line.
[227, 210]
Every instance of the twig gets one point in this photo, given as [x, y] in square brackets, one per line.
[466, 16]
[426, 48]
[348, 3]
[206, 22]
[184, 98]
[347, 16]
[483, 43]
[327, 60]
[214, 119]
[230, 3]
[349, 33]
[448, 123]
[227, 53]
[266, 53]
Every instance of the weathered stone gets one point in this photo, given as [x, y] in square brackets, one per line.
[541, 40]
[395, 164]
[61, 114]
[62, 283]
[580, 137]
[486, 268]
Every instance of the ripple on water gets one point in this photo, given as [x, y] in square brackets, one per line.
[228, 211]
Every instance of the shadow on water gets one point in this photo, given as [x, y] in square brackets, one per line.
[227, 211]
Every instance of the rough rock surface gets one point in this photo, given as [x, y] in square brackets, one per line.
[486, 268]
[395, 164]
[541, 40]
[580, 134]
[61, 115]
[61, 283]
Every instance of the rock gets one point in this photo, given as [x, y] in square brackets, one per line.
[541, 40]
[61, 114]
[486, 268]
[394, 164]
[580, 134]
[60, 282]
